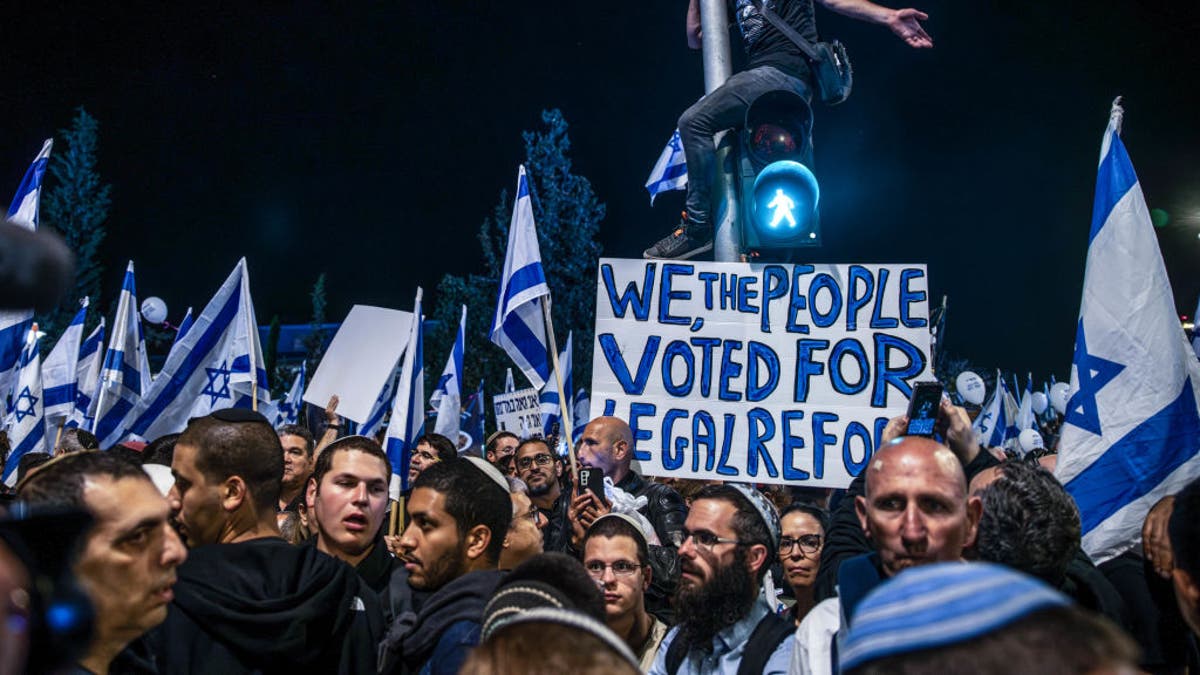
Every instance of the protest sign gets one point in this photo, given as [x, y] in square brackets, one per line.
[758, 372]
[364, 352]
[518, 412]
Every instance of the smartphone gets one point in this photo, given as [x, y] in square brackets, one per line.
[591, 478]
[923, 408]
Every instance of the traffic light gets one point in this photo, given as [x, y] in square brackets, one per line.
[778, 190]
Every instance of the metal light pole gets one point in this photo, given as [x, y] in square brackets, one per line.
[714, 24]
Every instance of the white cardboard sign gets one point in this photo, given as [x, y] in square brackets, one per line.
[518, 412]
[364, 352]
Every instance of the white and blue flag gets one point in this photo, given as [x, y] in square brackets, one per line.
[184, 326]
[26, 422]
[15, 325]
[87, 378]
[509, 385]
[60, 376]
[548, 398]
[383, 404]
[581, 410]
[670, 171]
[125, 376]
[408, 413]
[1025, 417]
[992, 423]
[288, 410]
[1131, 432]
[447, 395]
[218, 364]
[519, 327]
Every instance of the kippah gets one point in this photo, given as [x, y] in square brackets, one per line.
[764, 507]
[236, 415]
[489, 471]
[573, 619]
[518, 597]
[637, 527]
[938, 605]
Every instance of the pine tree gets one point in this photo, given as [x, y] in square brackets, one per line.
[75, 205]
[568, 216]
[314, 342]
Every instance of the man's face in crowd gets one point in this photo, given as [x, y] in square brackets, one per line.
[599, 446]
[541, 476]
[623, 594]
[351, 501]
[297, 463]
[916, 508]
[717, 586]
[432, 548]
[800, 565]
[128, 564]
[505, 446]
[699, 563]
[524, 538]
[423, 457]
[196, 501]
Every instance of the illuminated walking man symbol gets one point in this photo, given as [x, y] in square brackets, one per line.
[783, 206]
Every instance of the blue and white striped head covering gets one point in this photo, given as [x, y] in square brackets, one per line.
[939, 605]
[770, 515]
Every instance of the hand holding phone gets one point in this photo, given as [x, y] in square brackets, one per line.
[923, 408]
[592, 480]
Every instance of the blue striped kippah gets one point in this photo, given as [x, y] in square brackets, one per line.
[938, 605]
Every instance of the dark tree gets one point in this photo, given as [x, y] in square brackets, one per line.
[75, 205]
[314, 342]
[568, 216]
[270, 356]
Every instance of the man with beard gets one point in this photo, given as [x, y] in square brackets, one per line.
[730, 538]
[247, 601]
[499, 445]
[459, 512]
[429, 450]
[298, 445]
[537, 466]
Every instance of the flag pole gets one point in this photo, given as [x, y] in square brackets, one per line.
[563, 402]
[251, 339]
[58, 435]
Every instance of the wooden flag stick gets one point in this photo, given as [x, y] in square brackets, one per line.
[57, 435]
[396, 519]
[564, 403]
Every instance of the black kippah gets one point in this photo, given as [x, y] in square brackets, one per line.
[236, 415]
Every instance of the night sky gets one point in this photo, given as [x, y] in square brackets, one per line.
[369, 140]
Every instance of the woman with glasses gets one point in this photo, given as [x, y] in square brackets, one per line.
[802, 534]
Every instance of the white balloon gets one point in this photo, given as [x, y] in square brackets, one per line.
[1039, 402]
[971, 387]
[154, 309]
[1059, 395]
[1029, 440]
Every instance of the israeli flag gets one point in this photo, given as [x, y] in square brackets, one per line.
[670, 171]
[125, 375]
[1131, 433]
[26, 422]
[1025, 417]
[87, 379]
[60, 377]
[184, 326]
[218, 364]
[383, 403]
[1011, 410]
[447, 396]
[288, 410]
[509, 385]
[473, 420]
[581, 411]
[985, 422]
[548, 398]
[519, 327]
[15, 325]
[408, 415]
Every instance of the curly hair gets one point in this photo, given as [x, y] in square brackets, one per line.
[1029, 523]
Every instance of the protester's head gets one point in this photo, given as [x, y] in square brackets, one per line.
[546, 580]
[615, 554]
[458, 515]
[607, 444]
[1029, 522]
[536, 466]
[524, 537]
[349, 494]
[728, 546]
[29, 463]
[161, 450]
[128, 560]
[227, 467]
[500, 444]
[429, 450]
[298, 444]
[291, 526]
[1184, 532]
[74, 439]
[549, 641]
[988, 619]
[916, 509]
[802, 536]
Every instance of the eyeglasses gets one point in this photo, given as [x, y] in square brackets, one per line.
[706, 540]
[621, 568]
[541, 459]
[808, 543]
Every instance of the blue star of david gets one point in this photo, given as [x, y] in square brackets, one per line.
[1094, 372]
[23, 405]
[220, 373]
[441, 383]
[675, 144]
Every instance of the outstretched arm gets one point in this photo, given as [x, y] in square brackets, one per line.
[905, 23]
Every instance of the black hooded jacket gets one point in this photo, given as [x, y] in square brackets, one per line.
[265, 606]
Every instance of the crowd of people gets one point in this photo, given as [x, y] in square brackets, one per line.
[235, 547]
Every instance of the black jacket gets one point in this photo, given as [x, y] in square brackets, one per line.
[266, 606]
[666, 511]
